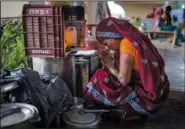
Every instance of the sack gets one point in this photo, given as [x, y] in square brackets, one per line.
[48, 93]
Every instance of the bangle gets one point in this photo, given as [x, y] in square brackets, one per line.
[113, 71]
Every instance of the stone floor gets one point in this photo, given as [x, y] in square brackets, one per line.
[172, 116]
[174, 59]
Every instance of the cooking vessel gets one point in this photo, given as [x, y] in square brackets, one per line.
[75, 118]
[9, 86]
[18, 115]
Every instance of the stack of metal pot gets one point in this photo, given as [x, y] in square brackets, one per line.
[18, 115]
[15, 115]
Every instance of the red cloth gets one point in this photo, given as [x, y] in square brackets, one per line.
[150, 82]
[151, 15]
[157, 14]
[89, 28]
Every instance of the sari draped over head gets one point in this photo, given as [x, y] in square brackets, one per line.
[149, 86]
[158, 12]
[158, 20]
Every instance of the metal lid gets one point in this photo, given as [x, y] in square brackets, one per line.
[8, 87]
[81, 120]
[25, 113]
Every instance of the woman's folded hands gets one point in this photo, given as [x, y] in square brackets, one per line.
[107, 59]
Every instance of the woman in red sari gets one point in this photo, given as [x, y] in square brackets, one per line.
[134, 78]
[158, 20]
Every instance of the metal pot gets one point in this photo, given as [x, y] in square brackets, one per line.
[76, 118]
[9, 87]
[18, 115]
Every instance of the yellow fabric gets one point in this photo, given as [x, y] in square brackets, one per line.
[54, 2]
[164, 16]
[127, 47]
[170, 39]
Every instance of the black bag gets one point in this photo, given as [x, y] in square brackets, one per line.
[48, 93]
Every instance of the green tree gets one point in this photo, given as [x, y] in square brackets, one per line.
[12, 47]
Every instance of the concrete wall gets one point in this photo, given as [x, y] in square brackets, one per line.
[138, 10]
[12, 8]
[91, 9]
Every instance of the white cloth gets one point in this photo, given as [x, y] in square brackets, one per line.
[86, 52]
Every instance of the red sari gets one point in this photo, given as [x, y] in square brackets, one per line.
[158, 20]
[148, 89]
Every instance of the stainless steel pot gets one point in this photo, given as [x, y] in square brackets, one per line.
[12, 92]
[9, 87]
[76, 118]
[18, 115]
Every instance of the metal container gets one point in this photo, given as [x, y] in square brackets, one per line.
[82, 76]
[93, 65]
[65, 67]
[75, 118]
[93, 62]
[18, 115]
[12, 92]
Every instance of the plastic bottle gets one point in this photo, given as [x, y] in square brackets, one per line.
[71, 36]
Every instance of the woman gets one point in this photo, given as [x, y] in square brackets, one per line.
[168, 26]
[168, 20]
[134, 78]
[178, 25]
[158, 20]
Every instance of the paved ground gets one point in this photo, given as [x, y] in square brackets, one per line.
[174, 59]
[172, 116]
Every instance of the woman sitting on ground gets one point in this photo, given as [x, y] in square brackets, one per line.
[134, 77]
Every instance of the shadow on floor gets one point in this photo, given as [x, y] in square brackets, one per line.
[172, 116]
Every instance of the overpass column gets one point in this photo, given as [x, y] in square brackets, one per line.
[171, 3]
[91, 12]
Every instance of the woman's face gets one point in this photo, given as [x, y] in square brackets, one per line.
[112, 43]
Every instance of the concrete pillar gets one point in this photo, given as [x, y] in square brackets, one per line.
[171, 3]
[91, 12]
